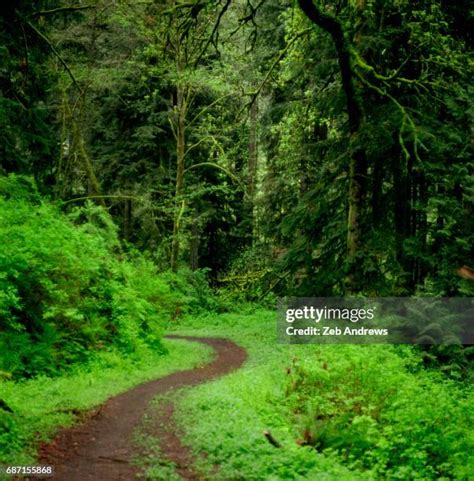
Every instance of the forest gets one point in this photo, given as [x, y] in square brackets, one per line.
[177, 167]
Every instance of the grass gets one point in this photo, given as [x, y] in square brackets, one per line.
[151, 462]
[226, 418]
[368, 412]
[43, 404]
[339, 412]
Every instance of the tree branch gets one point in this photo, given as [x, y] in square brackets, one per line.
[208, 107]
[213, 33]
[216, 166]
[53, 49]
[121, 197]
[271, 439]
[198, 143]
[406, 119]
[62, 9]
[254, 95]
[332, 26]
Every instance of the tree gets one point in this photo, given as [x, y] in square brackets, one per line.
[358, 162]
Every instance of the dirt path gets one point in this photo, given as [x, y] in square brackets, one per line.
[100, 448]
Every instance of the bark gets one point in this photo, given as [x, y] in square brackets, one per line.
[334, 28]
[180, 152]
[403, 214]
[94, 189]
[377, 206]
[127, 219]
[94, 186]
[252, 160]
[194, 257]
[271, 439]
[357, 176]
[440, 224]
[72, 131]
[251, 173]
[358, 160]
[422, 226]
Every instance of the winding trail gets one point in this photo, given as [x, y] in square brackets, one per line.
[100, 449]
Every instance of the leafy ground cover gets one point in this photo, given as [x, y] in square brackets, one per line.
[43, 404]
[337, 412]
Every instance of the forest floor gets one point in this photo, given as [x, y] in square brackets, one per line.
[178, 426]
[102, 446]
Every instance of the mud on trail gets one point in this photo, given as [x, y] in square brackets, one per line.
[101, 448]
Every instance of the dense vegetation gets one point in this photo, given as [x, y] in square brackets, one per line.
[68, 289]
[166, 160]
[338, 412]
[313, 148]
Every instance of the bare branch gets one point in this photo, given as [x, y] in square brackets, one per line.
[271, 439]
[214, 33]
[62, 9]
[53, 49]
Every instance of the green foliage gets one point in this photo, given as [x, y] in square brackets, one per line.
[226, 418]
[40, 406]
[340, 412]
[377, 414]
[454, 360]
[250, 276]
[73, 297]
[67, 289]
[27, 139]
[411, 66]
[113, 130]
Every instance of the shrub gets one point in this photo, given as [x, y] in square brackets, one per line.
[66, 287]
[371, 410]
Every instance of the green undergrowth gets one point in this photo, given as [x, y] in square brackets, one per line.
[43, 404]
[69, 287]
[340, 412]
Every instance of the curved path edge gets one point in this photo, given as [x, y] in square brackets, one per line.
[101, 447]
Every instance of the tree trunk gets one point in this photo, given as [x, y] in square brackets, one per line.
[358, 160]
[377, 194]
[194, 254]
[403, 215]
[127, 220]
[179, 202]
[422, 226]
[251, 174]
[252, 161]
[357, 176]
